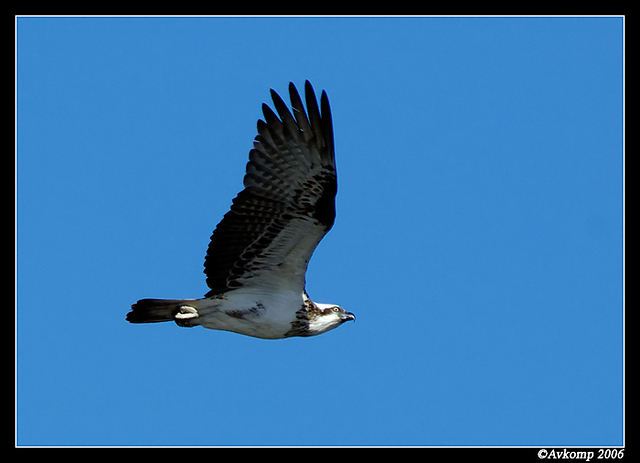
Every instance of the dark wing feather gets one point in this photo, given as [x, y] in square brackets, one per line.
[287, 205]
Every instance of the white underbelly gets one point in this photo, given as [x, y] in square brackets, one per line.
[267, 316]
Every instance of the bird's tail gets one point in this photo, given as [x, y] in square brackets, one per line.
[158, 310]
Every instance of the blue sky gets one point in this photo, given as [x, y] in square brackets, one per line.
[478, 237]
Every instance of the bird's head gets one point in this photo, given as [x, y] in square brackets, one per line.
[328, 317]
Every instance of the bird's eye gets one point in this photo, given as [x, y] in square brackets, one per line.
[336, 309]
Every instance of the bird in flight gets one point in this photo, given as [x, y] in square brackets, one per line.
[258, 255]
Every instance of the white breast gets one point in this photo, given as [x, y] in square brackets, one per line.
[263, 315]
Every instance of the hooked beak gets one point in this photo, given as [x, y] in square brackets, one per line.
[348, 316]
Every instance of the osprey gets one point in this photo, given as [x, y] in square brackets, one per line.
[259, 252]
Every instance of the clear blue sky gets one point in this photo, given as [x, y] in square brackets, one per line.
[478, 237]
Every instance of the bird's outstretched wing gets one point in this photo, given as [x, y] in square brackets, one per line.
[287, 205]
